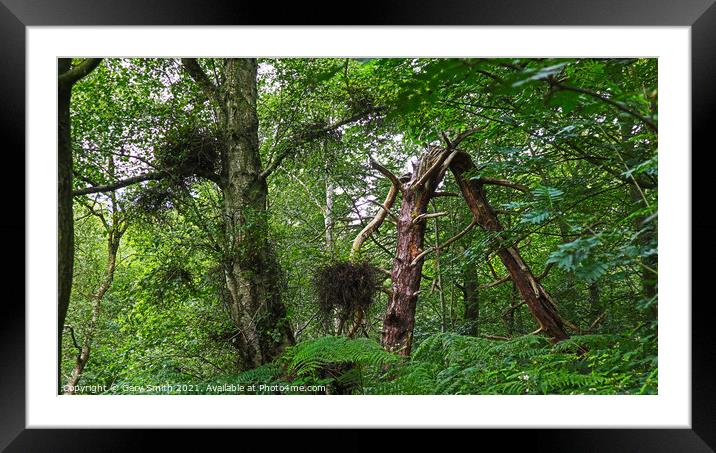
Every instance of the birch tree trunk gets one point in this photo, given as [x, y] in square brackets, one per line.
[252, 272]
[84, 354]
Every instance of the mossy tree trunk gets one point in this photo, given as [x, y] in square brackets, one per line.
[252, 272]
[67, 76]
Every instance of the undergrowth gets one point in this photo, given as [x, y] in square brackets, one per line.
[448, 363]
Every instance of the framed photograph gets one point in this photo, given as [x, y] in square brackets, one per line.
[444, 216]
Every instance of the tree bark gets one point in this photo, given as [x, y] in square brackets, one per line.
[406, 274]
[113, 240]
[532, 292]
[252, 272]
[595, 305]
[399, 319]
[65, 221]
[67, 76]
[471, 299]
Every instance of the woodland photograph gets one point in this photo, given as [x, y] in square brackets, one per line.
[357, 226]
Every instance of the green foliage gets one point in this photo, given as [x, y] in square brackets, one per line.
[452, 364]
[588, 222]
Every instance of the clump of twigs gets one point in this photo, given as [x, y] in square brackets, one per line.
[193, 152]
[185, 156]
[345, 291]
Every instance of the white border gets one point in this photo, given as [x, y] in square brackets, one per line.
[671, 408]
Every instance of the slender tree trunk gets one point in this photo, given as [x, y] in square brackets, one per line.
[439, 281]
[252, 272]
[508, 317]
[595, 306]
[67, 76]
[649, 263]
[532, 292]
[98, 296]
[328, 221]
[471, 299]
[65, 220]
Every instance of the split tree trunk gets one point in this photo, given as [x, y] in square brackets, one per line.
[406, 274]
[399, 319]
[535, 296]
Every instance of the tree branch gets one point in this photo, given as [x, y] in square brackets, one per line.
[499, 281]
[119, 184]
[426, 216]
[448, 242]
[438, 164]
[462, 136]
[374, 224]
[191, 65]
[74, 74]
[387, 173]
[446, 194]
[504, 183]
[616, 104]
[288, 147]
[545, 271]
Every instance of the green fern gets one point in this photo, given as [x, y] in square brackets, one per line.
[453, 364]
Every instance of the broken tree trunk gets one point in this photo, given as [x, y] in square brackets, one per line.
[535, 296]
[417, 190]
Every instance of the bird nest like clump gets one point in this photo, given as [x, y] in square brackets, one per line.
[345, 288]
[195, 152]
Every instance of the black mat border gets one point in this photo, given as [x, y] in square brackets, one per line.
[16, 15]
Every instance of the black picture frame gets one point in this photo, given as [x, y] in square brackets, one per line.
[16, 15]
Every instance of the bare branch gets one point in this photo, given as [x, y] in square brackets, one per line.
[448, 242]
[426, 216]
[462, 136]
[446, 164]
[446, 194]
[72, 334]
[374, 224]
[448, 143]
[495, 337]
[392, 216]
[651, 124]
[386, 291]
[504, 183]
[499, 281]
[381, 246]
[545, 271]
[118, 184]
[385, 272]
[290, 145]
[387, 173]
